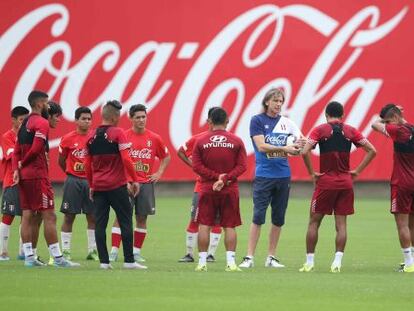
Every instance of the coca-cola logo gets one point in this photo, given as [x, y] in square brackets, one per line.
[218, 138]
[141, 154]
[80, 153]
[277, 140]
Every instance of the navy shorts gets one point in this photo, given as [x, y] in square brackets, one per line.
[273, 192]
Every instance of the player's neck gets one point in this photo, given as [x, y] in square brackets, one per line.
[15, 129]
[138, 130]
[218, 128]
[330, 120]
[81, 131]
[271, 114]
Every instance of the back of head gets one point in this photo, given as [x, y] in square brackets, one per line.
[80, 110]
[334, 110]
[390, 110]
[54, 109]
[111, 109]
[36, 95]
[210, 110]
[19, 111]
[218, 116]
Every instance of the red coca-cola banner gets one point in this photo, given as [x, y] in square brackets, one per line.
[182, 57]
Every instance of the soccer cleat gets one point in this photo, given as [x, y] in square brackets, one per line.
[187, 258]
[232, 268]
[51, 261]
[247, 262]
[306, 268]
[20, 257]
[210, 258]
[93, 255]
[106, 266]
[134, 265]
[273, 262]
[66, 254]
[139, 258]
[40, 260]
[408, 269]
[335, 268]
[33, 263]
[201, 268]
[4, 257]
[113, 256]
[64, 263]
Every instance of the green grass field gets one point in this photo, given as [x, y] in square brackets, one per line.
[368, 279]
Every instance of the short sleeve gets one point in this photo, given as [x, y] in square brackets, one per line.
[63, 150]
[188, 147]
[294, 129]
[392, 131]
[42, 129]
[357, 138]
[7, 145]
[162, 150]
[314, 136]
[256, 127]
[121, 138]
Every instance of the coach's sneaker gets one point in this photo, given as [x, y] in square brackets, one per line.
[210, 258]
[273, 262]
[306, 268]
[64, 263]
[113, 256]
[232, 268]
[93, 255]
[187, 258]
[408, 269]
[4, 257]
[139, 258]
[134, 265]
[66, 254]
[106, 266]
[335, 268]
[201, 268]
[247, 262]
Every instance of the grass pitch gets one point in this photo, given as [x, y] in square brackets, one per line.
[368, 279]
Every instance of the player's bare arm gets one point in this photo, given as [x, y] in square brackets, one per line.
[379, 126]
[262, 146]
[308, 163]
[184, 158]
[163, 165]
[369, 156]
[62, 162]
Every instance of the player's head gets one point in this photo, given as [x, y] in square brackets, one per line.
[210, 110]
[273, 100]
[38, 101]
[138, 116]
[391, 113]
[54, 113]
[218, 117]
[111, 112]
[83, 119]
[334, 110]
[18, 114]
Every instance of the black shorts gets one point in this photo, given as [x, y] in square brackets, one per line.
[194, 206]
[10, 202]
[144, 202]
[76, 196]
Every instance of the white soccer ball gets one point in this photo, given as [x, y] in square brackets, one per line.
[290, 140]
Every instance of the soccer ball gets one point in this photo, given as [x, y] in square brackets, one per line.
[290, 140]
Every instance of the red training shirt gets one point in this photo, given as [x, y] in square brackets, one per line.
[8, 141]
[73, 147]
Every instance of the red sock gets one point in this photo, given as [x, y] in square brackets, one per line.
[139, 237]
[7, 219]
[216, 229]
[116, 237]
[192, 227]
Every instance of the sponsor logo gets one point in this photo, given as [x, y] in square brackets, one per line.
[276, 140]
[218, 139]
[80, 153]
[141, 154]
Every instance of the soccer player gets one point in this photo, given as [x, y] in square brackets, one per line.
[334, 188]
[392, 124]
[145, 147]
[269, 132]
[185, 153]
[72, 152]
[10, 205]
[219, 157]
[30, 168]
[106, 166]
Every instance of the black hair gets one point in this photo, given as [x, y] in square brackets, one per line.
[218, 116]
[114, 103]
[19, 111]
[54, 109]
[210, 111]
[334, 110]
[389, 110]
[136, 108]
[35, 95]
[81, 110]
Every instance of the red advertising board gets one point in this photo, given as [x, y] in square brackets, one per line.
[181, 57]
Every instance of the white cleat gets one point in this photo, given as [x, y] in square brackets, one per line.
[4, 257]
[273, 262]
[106, 266]
[134, 265]
[247, 262]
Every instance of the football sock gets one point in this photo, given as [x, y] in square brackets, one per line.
[190, 242]
[54, 251]
[139, 237]
[34, 252]
[4, 237]
[412, 251]
[338, 258]
[202, 258]
[408, 258]
[216, 229]
[230, 255]
[66, 240]
[28, 251]
[310, 259]
[91, 240]
[7, 219]
[21, 252]
[214, 242]
[116, 237]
